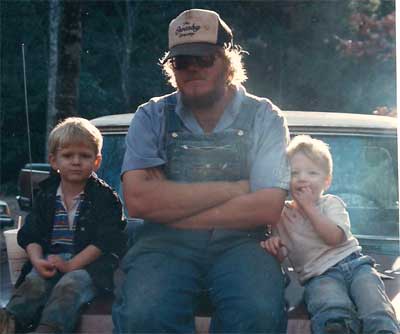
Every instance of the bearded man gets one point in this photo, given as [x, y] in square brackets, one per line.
[206, 169]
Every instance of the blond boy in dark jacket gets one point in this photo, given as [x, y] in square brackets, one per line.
[73, 236]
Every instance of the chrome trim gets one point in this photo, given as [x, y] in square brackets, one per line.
[38, 171]
[333, 131]
[111, 131]
[375, 237]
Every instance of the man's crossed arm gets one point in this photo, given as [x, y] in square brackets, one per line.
[149, 195]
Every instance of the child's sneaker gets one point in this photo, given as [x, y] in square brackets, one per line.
[7, 322]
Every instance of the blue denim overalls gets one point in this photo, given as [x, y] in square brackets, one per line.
[221, 156]
[168, 269]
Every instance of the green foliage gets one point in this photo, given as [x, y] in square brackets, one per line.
[367, 7]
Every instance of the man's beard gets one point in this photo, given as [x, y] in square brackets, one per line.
[203, 101]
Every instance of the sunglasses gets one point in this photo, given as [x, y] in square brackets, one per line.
[183, 62]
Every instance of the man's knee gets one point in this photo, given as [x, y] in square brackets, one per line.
[143, 316]
[263, 313]
[134, 319]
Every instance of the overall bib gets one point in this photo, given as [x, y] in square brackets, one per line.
[169, 269]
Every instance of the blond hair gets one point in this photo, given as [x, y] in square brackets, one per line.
[232, 58]
[75, 130]
[314, 149]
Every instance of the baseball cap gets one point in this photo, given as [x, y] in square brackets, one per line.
[197, 32]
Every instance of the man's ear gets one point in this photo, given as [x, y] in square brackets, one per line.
[328, 182]
[97, 162]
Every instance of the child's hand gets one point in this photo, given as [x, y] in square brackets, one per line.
[303, 196]
[274, 246]
[44, 267]
[59, 263]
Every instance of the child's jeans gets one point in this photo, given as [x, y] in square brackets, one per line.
[351, 290]
[61, 298]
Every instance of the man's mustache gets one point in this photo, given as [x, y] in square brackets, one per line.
[195, 77]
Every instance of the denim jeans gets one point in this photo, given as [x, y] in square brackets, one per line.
[61, 298]
[351, 290]
[166, 273]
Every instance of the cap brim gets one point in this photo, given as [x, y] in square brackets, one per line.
[192, 49]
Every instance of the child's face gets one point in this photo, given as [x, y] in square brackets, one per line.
[75, 163]
[307, 173]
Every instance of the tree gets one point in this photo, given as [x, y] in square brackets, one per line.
[26, 24]
[371, 42]
[67, 88]
[372, 37]
[54, 23]
[127, 53]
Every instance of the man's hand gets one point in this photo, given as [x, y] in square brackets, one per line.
[244, 187]
[59, 263]
[275, 247]
[44, 267]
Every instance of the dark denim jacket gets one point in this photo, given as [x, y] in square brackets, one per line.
[100, 223]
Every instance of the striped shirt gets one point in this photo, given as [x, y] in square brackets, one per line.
[64, 223]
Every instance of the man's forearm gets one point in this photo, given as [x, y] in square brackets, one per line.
[163, 201]
[244, 212]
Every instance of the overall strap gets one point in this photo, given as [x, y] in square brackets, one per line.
[172, 121]
[247, 114]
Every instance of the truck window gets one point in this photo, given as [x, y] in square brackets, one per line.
[113, 154]
[365, 177]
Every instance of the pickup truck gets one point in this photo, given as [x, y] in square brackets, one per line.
[365, 155]
[5, 215]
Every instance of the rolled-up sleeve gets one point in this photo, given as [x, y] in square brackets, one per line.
[143, 140]
[270, 167]
[335, 210]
